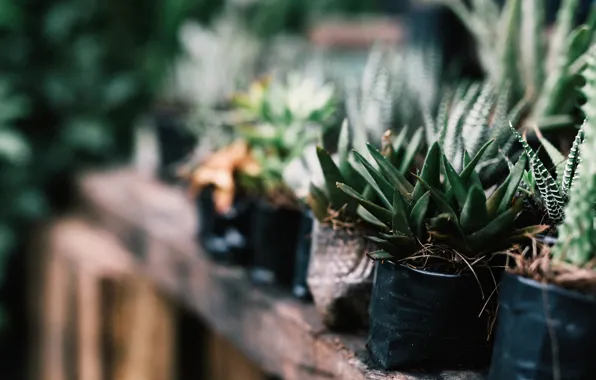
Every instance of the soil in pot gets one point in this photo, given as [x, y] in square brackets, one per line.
[544, 332]
[300, 288]
[226, 237]
[340, 276]
[421, 319]
[274, 231]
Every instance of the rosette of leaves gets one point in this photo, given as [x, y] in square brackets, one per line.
[444, 216]
[329, 203]
[285, 118]
[514, 50]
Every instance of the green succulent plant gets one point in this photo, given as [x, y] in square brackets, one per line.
[577, 234]
[394, 87]
[443, 208]
[349, 169]
[466, 120]
[514, 51]
[551, 193]
[283, 117]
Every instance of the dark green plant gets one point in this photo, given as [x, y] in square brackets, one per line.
[329, 203]
[444, 215]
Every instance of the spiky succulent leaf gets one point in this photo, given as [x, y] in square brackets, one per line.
[400, 223]
[391, 172]
[573, 161]
[382, 186]
[384, 215]
[332, 175]
[474, 215]
[431, 171]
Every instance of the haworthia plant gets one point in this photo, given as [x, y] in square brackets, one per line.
[552, 193]
[577, 234]
[394, 86]
[513, 49]
[468, 119]
[442, 206]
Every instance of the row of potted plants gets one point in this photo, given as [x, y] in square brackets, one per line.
[451, 243]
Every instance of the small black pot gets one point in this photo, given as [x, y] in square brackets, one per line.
[540, 322]
[300, 288]
[427, 320]
[175, 141]
[275, 238]
[226, 237]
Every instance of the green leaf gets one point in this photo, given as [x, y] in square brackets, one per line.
[382, 243]
[332, 176]
[395, 177]
[474, 215]
[457, 186]
[471, 166]
[343, 146]
[379, 255]
[318, 203]
[474, 177]
[400, 215]
[413, 147]
[494, 201]
[378, 212]
[383, 188]
[516, 176]
[439, 199]
[418, 215]
[370, 219]
[486, 238]
[431, 172]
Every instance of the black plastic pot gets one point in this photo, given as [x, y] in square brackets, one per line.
[544, 332]
[427, 320]
[300, 288]
[275, 237]
[175, 141]
[226, 237]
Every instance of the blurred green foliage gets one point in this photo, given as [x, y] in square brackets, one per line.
[74, 76]
[268, 17]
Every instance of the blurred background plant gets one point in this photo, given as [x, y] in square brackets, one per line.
[76, 75]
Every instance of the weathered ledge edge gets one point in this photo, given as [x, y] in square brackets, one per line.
[284, 336]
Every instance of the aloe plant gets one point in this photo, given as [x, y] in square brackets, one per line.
[577, 234]
[513, 50]
[329, 201]
[443, 208]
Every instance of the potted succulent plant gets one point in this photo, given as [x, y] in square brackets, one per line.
[340, 275]
[436, 238]
[288, 117]
[548, 299]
